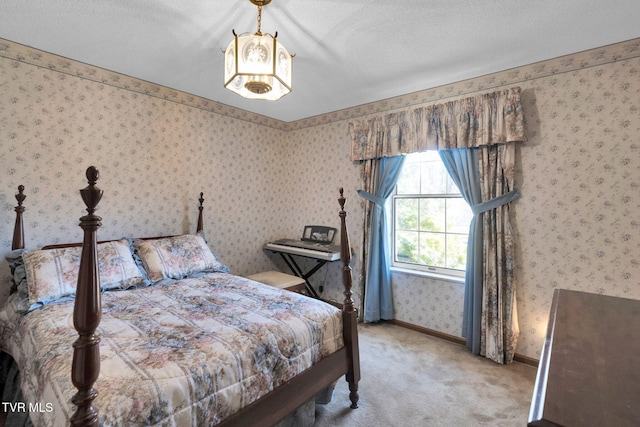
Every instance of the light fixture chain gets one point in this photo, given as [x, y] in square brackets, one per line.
[259, 20]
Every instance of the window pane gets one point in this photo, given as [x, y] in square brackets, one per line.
[432, 225]
[407, 214]
[432, 249]
[407, 246]
[432, 215]
[434, 176]
[451, 186]
[456, 251]
[407, 182]
[458, 216]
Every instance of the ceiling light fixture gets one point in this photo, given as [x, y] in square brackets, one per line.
[257, 66]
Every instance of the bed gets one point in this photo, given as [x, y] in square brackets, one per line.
[158, 332]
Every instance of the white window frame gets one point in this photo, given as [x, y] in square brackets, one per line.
[435, 271]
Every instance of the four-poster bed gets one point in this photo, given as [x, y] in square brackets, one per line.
[186, 343]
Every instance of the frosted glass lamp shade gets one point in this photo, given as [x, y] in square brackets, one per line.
[257, 66]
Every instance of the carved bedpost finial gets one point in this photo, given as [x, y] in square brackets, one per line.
[18, 230]
[91, 194]
[20, 196]
[87, 311]
[92, 175]
[200, 226]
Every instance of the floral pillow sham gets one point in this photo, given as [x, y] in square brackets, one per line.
[52, 274]
[177, 257]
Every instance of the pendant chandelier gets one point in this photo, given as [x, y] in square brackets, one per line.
[257, 66]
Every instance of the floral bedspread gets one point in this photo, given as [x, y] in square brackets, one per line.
[189, 352]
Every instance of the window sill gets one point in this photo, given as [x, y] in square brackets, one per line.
[448, 278]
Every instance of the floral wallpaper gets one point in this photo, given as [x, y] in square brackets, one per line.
[154, 155]
[157, 149]
[579, 176]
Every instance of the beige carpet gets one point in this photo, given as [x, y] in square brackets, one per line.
[413, 379]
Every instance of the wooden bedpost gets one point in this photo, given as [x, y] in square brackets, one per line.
[200, 208]
[349, 313]
[18, 229]
[87, 311]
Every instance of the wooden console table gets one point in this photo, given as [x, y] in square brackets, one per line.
[589, 371]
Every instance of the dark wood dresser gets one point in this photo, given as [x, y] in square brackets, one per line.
[589, 372]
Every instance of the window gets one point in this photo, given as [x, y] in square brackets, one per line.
[431, 219]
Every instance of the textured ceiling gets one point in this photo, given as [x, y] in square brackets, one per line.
[348, 52]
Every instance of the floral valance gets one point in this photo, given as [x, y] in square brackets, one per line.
[492, 118]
